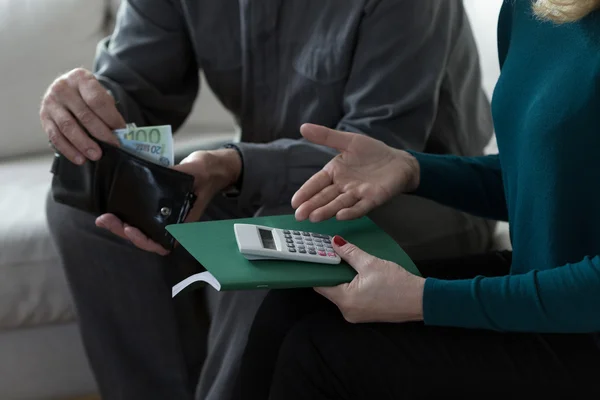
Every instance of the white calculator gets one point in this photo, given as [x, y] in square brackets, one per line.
[265, 243]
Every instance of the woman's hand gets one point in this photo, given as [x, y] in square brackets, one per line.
[381, 292]
[213, 171]
[365, 174]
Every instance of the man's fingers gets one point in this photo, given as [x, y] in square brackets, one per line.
[101, 103]
[328, 137]
[357, 258]
[88, 118]
[71, 130]
[142, 241]
[62, 145]
[320, 199]
[345, 200]
[311, 187]
[358, 210]
[199, 207]
[111, 223]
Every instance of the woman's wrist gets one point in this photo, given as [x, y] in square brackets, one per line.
[417, 299]
[412, 169]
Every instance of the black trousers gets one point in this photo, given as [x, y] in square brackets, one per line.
[300, 347]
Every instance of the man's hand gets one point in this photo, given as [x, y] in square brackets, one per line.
[213, 171]
[77, 100]
[365, 174]
[381, 292]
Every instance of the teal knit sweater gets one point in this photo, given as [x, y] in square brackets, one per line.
[545, 182]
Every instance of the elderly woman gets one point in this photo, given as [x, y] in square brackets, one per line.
[512, 324]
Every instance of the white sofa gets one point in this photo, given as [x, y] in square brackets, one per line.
[41, 355]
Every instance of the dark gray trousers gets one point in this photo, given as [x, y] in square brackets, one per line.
[142, 344]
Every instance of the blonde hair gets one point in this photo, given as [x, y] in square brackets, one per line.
[562, 11]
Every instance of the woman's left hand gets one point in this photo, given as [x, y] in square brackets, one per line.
[381, 292]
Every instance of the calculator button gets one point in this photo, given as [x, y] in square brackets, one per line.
[329, 248]
[322, 253]
[286, 232]
[327, 241]
[305, 234]
[311, 247]
[330, 254]
[311, 251]
[308, 240]
[321, 248]
[291, 250]
[296, 233]
[302, 251]
[289, 240]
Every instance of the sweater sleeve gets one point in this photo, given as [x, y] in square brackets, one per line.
[559, 300]
[470, 184]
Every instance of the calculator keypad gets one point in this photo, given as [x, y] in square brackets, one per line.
[309, 243]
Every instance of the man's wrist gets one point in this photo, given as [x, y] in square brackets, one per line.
[228, 168]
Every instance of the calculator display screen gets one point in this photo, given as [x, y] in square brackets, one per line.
[267, 240]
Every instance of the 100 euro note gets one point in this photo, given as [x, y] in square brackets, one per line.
[152, 143]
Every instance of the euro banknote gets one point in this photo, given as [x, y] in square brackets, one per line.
[152, 143]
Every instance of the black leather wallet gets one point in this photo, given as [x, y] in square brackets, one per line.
[141, 193]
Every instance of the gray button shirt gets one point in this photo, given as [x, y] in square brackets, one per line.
[403, 71]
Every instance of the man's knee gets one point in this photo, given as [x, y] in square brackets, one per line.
[234, 307]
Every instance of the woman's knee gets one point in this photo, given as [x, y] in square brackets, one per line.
[317, 343]
[303, 368]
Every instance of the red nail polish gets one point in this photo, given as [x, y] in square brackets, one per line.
[339, 240]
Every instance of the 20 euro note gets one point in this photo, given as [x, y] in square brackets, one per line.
[152, 143]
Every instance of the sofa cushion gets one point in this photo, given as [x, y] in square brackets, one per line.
[33, 290]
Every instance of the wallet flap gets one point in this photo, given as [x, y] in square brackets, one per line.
[150, 197]
[75, 185]
[141, 193]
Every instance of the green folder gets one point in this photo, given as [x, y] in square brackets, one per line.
[214, 245]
